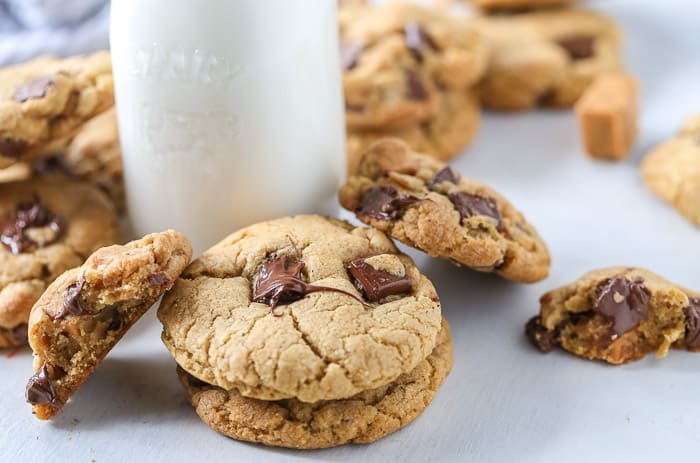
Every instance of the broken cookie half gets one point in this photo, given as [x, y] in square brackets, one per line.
[618, 315]
[87, 310]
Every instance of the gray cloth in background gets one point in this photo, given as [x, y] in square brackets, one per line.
[77, 31]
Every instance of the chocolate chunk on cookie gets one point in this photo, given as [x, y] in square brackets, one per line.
[435, 210]
[517, 6]
[88, 309]
[47, 100]
[361, 419]
[672, 170]
[617, 315]
[46, 228]
[351, 313]
[546, 57]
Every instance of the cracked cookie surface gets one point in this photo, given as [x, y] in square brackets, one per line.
[547, 57]
[46, 100]
[618, 315]
[361, 419]
[88, 309]
[672, 170]
[425, 204]
[340, 310]
[46, 228]
[400, 60]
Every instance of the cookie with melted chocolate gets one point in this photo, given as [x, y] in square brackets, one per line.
[618, 315]
[425, 204]
[46, 228]
[88, 309]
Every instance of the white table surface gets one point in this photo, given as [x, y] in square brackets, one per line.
[504, 401]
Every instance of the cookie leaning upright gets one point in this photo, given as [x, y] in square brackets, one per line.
[305, 332]
[46, 228]
[46, 100]
[618, 315]
[88, 309]
[672, 170]
[425, 204]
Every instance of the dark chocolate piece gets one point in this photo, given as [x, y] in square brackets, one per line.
[350, 54]
[692, 317]
[71, 303]
[625, 301]
[446, 175]
[377, 284]
[13, 149]
[39, 390]
[159, 279]
[542, 338]
[384, 203]
[580, 47]
[416, 38]
[416, 88]
[36, 88]
[469, 205]
[13, 231]
[280, 282]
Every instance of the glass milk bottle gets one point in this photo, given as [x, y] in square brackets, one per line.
[230, 112]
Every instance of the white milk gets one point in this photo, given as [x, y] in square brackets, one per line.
[230, 112]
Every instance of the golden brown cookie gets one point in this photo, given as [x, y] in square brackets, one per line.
[400, 60]
[425, 204]
[547, 57]
[361, 419]
[304, 307]
[444, 137]
[87, 310]
[618, 315]
[672, 170]
[46, 228]
[47, 100]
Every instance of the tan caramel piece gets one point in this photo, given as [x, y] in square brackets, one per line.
[608, 113]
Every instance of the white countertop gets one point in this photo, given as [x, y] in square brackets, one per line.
[504, 401]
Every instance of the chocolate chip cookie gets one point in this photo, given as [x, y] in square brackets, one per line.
[93, 155]
[618, 315]
[361, 419]
[307, 308]
[672, 170]
[399, 61]
[46, 228]
[46, 100]
[425, 204]
[443, 137]
[87, 310]
[547, 57]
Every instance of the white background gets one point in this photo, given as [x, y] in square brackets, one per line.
[504, 401]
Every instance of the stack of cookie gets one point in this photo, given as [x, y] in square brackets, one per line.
[409, 72]
[544, 53]
[49, 225]
[306, 332]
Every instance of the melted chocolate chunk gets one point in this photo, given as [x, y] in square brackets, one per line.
[446, 175]
[416, 38]
[39, 390]
[469, 205]
[578, 47]
[542, 338]
[416, 88]
[37, 88]
[13, 231]
[280, 282]
[71, 303]
[54, 164]
[377, 284]
[625, 301]
[19, 334]
[159, 279]
[692, 318]
[10, 148]
[384, 203]
[350, 55]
